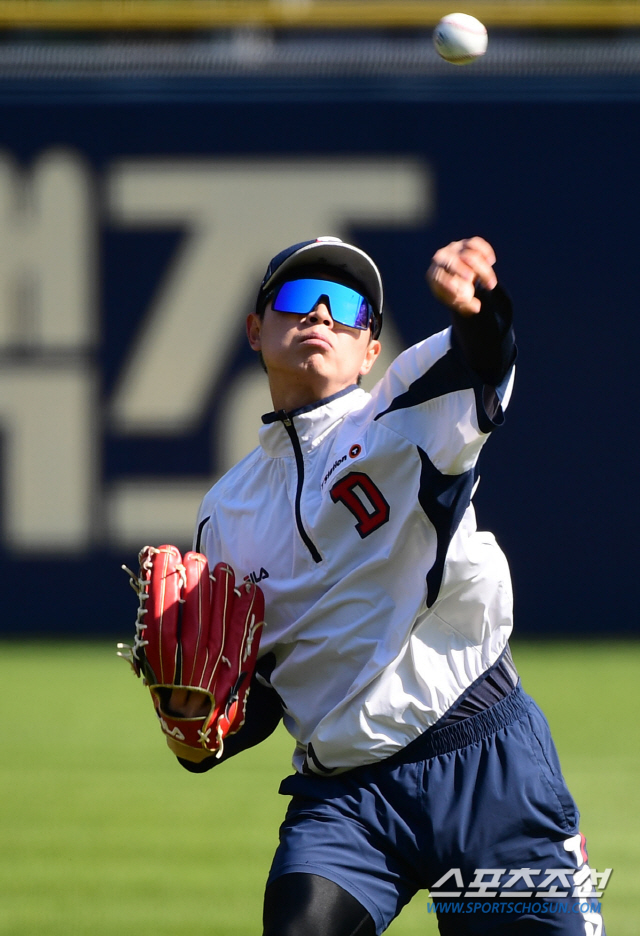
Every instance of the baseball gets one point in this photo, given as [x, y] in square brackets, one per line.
[460, 38]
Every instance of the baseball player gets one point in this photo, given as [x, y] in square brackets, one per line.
[420, 762]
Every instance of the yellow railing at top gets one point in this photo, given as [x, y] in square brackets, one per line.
[309, 14]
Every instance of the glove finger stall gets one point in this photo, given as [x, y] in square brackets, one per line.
[196, 611]
[238, 658]
[165, 574]
[218, 624]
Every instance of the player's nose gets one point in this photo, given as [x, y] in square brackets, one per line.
[320, 314]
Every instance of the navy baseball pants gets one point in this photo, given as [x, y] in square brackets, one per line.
[478, 812]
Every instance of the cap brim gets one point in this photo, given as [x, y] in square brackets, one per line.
[355, 263]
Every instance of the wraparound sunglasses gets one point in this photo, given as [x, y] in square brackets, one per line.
[346, 305]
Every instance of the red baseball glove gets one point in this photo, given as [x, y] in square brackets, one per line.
[195, 630]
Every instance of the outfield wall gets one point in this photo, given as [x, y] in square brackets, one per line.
[136, 219]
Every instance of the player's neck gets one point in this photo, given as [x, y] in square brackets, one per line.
[289, 395]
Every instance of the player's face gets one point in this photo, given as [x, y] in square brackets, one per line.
[309, 357]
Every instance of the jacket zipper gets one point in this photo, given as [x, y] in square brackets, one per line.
[297, 451]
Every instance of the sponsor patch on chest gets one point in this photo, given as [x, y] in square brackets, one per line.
[341, 461]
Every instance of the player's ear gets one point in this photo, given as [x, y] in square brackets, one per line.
[373, 350]
[254, 327]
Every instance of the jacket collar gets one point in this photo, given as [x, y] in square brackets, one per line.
[311, 423]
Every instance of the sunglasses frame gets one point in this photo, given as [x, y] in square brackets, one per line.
[273, 295]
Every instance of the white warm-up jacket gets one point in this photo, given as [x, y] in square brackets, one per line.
[383, 600]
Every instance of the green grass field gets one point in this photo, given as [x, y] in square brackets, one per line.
[105, 834]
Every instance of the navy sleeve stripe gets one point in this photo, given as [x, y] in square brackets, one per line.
[447, 375]
[489, 404]
[199, 536]
[482, 354]
[444, 499]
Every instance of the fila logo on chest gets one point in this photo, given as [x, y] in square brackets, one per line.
[256, 577]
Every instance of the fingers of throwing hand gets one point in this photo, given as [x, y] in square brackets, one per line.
[480, 246]
[480, 265]
[453, 290]
[471, 259]
[456, 270]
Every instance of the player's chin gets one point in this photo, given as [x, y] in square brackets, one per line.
[317, 358]
[322, 372]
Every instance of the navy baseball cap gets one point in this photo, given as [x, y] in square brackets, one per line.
[326, 258]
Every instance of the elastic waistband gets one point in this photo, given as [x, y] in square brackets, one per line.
[436, 741]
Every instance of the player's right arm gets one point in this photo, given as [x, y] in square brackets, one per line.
[461, 276]
[447, 393]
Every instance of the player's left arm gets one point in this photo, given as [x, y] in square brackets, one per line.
[461, 276]
[263, 714]
[196, 644]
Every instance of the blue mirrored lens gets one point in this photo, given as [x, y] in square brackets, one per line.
[346, 305]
